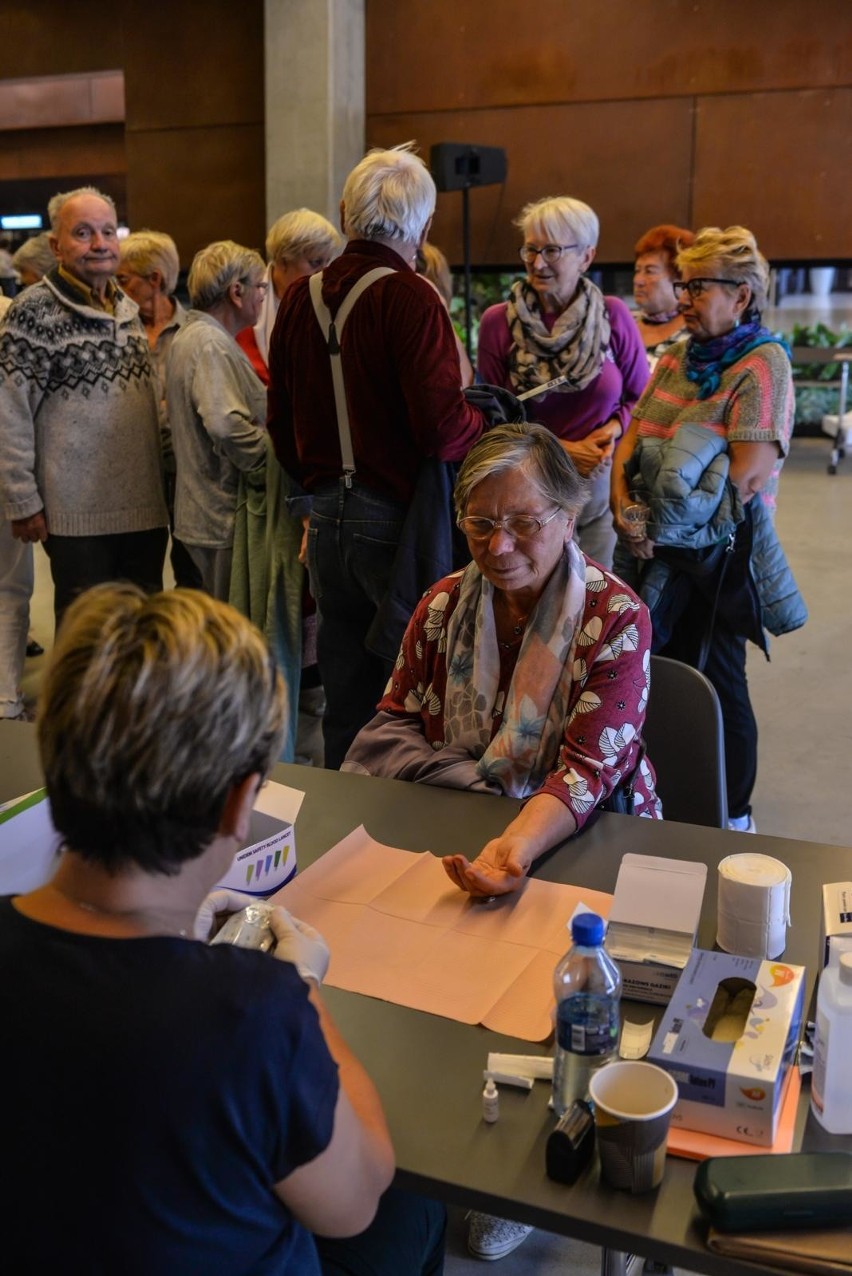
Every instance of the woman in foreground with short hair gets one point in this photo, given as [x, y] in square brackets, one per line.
[196, 1104]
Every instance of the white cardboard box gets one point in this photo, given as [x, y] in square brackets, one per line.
[652, 923]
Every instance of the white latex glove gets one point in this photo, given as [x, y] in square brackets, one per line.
[299, 943]
[218, 901]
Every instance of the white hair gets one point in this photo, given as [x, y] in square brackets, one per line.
[58, 202]
[147, 250]
[216, 267]
[561, 217]
[301, 233]
[36, 255]
[389, 195]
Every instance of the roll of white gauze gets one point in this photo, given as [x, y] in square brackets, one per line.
[754, 905]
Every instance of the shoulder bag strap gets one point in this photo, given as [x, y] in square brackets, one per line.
[333, 330]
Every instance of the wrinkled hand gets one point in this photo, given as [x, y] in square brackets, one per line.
[218, 901]
[643, 548]
[594, 451]
[640, 547]
[498, 869]
[29, 529]
[299, 943]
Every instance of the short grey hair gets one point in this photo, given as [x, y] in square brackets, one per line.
[57, 203]
[216, 267]
[730, 254]
[151, 710]
[302, 233]
[147, 250]
[35, 255]
[528, 447]
[389, 195]
[561, 217]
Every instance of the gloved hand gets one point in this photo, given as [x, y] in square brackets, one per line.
[218, 901]
[299, 943]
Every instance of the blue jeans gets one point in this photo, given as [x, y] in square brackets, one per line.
[352, 540]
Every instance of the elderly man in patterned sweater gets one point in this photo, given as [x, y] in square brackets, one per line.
[80, 465]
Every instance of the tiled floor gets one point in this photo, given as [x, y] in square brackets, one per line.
[803, 701]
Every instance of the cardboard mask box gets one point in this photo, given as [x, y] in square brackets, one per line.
[652, 923]
[729, 1038]
[267, 858]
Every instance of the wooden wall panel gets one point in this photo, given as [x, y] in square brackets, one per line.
[621, 83]
[200, 63]
[61, 37]
[64, 152]
[423, 55]
[778, 163]
[193, 72]
[198, 185]
[608, 155]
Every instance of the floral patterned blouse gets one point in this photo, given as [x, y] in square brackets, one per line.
[611, 677]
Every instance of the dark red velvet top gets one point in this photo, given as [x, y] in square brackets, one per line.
[402, 378]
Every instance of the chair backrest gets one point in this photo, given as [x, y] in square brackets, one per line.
[686, 744]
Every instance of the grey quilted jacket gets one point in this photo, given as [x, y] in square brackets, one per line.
[684, 481]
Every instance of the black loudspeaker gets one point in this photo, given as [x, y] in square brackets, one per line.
[456, 166]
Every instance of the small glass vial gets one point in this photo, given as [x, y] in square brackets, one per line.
[490, 1102]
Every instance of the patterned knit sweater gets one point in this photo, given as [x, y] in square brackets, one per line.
[79, 433]
[753, 404]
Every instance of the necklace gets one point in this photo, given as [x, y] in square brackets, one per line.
[659, 318]
[517, 631]
[156, 925]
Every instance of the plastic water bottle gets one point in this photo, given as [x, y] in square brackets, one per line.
[831, 1093]
[587, 987]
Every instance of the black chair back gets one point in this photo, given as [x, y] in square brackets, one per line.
[686, 744]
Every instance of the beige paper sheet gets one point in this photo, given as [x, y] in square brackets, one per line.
[399, 930]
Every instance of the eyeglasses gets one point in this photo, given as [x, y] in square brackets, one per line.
[521, 527]
[697, 287]
[550, 252]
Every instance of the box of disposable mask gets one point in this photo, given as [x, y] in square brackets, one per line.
[729, 1037]
[267, 858]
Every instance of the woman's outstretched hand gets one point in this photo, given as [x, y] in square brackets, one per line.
[500, 867]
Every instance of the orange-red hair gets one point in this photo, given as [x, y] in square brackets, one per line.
[666, 240]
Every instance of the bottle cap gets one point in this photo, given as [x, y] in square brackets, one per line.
[587, 929]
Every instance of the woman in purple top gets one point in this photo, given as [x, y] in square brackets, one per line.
[557, 324]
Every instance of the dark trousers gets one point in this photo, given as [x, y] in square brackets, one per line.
[352, 541]
[186, 573]
[78, 562]
[726, 669]
[406, 1238]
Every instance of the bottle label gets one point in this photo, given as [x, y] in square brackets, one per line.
[587, 1023]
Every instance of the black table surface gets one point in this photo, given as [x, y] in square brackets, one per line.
[429, 1070]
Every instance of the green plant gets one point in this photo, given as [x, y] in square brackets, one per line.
[813, 402]
[822, 337]
[485, 290]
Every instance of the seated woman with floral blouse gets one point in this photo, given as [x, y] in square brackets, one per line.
[526, 674]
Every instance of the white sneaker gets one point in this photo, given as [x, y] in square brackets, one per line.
[492, 1238]
[742, 824]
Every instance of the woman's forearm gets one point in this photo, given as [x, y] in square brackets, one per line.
[542, 823]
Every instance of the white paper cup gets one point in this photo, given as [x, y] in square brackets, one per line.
[753, 906]
[633, 1105]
